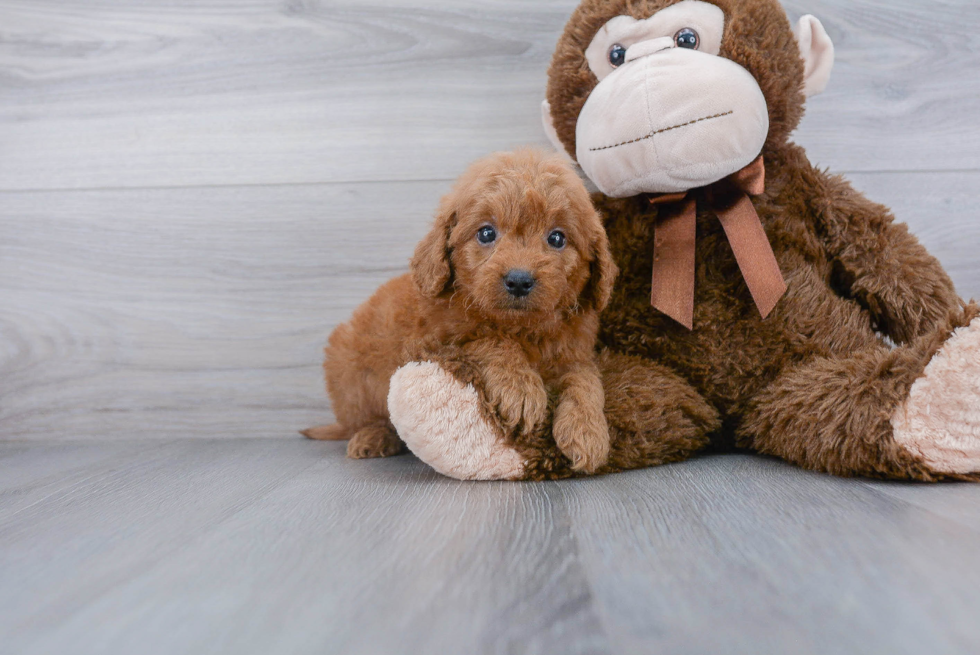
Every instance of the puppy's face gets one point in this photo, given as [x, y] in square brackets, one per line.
[514, 252]
[521, 240]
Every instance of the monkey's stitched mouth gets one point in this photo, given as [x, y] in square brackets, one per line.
[661, 131]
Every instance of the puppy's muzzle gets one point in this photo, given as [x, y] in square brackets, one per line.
[519, 283]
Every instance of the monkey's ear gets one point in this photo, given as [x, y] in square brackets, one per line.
[602, 273]
[549, 128]
[817, 51]
[431, 270]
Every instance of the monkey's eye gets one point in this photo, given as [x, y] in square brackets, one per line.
[486, 235]
[556, 239]
[687, 38]
[617, 55]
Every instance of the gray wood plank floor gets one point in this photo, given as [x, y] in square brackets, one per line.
[193, 193]
[273, 546]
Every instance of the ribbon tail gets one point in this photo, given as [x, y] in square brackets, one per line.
[754, 254]
[673, 262]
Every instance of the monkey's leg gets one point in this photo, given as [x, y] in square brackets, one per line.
[654, 417]
[907, 413]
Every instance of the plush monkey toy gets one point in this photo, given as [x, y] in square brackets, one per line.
[757, 294]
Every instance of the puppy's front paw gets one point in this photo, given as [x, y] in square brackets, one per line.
[582, 435]
[521, 403]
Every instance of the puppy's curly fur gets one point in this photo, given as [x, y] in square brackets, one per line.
[455, 306]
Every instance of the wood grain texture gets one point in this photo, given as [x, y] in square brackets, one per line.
[33, 473]
[309, 553]
[748, 555]
[99, 530]
[156, 313]
[113, 93]
[284, 546]
[902, 96]
[956, 502]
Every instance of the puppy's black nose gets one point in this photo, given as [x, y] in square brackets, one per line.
[519, 283]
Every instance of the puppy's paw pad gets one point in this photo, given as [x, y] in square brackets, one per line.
[439, 419]
[940, 420]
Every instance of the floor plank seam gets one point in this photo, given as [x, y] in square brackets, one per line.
[598, 608]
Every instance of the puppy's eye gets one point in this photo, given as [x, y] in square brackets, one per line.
[617, 55]
[556, 239]
[687, 38]
[486, 235]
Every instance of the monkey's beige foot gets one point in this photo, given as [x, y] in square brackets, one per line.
[439, 419]
[940, 420]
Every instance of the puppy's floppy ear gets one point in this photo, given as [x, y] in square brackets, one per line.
[431, 269]
[602, 271]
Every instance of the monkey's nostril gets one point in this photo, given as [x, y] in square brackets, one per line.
[519, 283]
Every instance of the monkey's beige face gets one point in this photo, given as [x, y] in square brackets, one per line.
[520, 250]
[668, 114]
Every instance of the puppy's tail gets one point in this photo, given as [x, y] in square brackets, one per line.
[335, 432]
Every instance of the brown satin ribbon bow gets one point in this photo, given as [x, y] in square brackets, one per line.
[674, 237]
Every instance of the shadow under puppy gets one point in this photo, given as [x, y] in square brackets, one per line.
[509, 283]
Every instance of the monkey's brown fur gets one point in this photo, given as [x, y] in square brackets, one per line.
[815, 383]
[453, 308]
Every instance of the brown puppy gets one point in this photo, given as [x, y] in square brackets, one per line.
[511, 279]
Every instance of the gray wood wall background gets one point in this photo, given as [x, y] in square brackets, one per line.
[194, 192]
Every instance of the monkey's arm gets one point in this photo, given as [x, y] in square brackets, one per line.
[878, 263]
